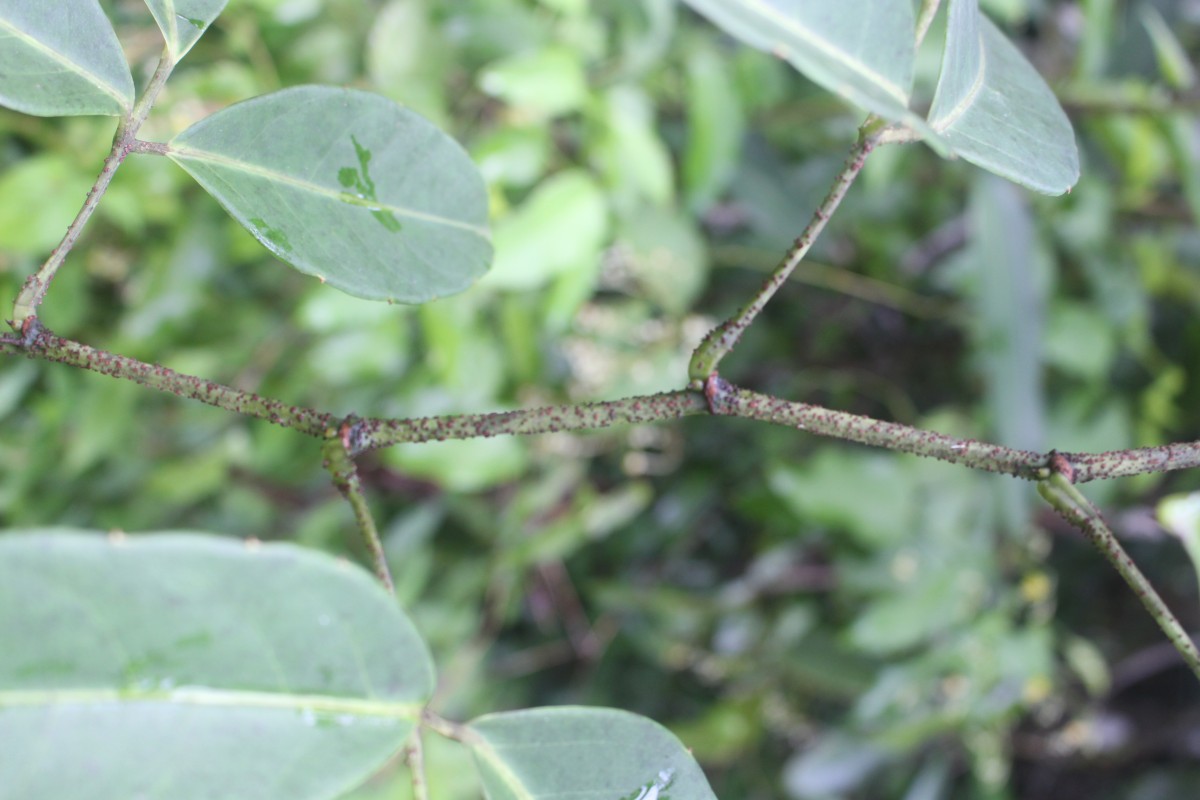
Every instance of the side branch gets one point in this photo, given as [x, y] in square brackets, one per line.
[1079, 511]
[33, 292]
[340, 464]
[720, 340]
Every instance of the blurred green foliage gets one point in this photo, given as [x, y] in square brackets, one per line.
[814, 619]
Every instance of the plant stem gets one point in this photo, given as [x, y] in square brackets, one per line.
[724, 337]
[40, 343]
[721, 398]
[414, 755]
[1079, 511]
[456, 731]
[340, 464]
[33, 291]
[725, 399]
[375, 433]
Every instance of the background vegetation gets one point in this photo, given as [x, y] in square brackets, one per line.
[814, 619]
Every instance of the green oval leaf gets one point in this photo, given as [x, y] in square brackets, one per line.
[585, 753]
[61, 58]
[861, 50]
[993, 108]
[347, 186]
[183, 22]
[187, 666]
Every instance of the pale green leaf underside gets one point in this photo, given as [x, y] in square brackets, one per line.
[183, 22]
[61, 58]
[349, 187]
[135, 668]
[861, 50]
[584, 754]
[995, 111]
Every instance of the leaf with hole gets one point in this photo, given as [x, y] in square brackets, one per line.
[349, 187]
[183, 22]
[583, 752]
[61, 58]
[995, 111]
[187, 666]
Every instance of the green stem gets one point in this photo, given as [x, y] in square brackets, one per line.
[448, 729]
[33, 291]
[1079, 511]
[717, 344]
[414, 754]
[340, 464]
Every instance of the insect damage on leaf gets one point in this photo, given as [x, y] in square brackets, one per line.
[654, 789]
[359, 179]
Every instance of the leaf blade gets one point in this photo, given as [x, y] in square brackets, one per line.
[145, 661]
[861, 50]
[183, 22]
[584, 752]
[994, 109]
[379, 203]
[62, 59]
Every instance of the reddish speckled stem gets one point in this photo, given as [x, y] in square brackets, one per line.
[717, 397]
[1079, 511]
[42, 344]
[727, 399]
[338, 460]
[375, 433]
[721, 339]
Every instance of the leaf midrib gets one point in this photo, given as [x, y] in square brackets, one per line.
[180, 153]
[834, 53]
[71, 66]
[218, 698]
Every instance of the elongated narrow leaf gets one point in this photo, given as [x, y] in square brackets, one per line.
[995, 111]
[183, 22]
[861, 50]
[185, 666]
[587, 753]
[61, 58]
[347, 186]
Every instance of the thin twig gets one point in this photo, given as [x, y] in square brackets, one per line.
[340, 464]
[720, 340]
[449, 729]
[414, 755]
[33, 291]
[1079, 511]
